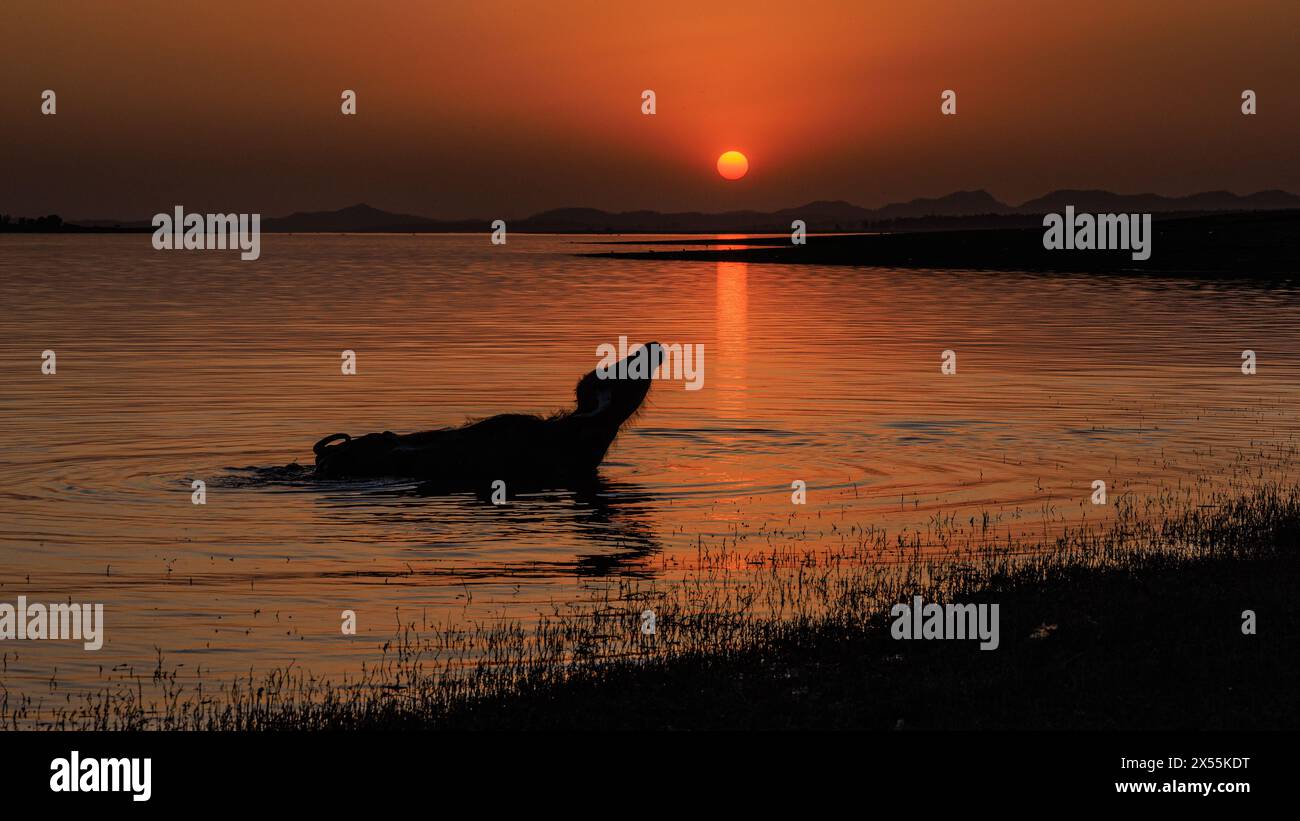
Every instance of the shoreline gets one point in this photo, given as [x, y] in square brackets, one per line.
[1175, 661]
[1252, 244]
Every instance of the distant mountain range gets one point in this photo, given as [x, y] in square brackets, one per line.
[962, 209]
[820, 215]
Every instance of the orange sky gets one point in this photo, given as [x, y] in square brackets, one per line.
[495, 109]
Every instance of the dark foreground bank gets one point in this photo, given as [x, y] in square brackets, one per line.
[1250, 244]
[1134, 625]
[1153, 646]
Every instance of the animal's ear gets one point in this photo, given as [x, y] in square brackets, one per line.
[592, 394]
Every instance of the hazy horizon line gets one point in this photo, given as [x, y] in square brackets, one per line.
[887, 204]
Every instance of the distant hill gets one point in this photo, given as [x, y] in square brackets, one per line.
[959, 204]
[359, 217]
[962, 209]
[1107, 202]
[822, 215]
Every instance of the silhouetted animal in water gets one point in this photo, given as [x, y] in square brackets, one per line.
[519, 449]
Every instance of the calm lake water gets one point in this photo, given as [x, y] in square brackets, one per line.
[175, 366]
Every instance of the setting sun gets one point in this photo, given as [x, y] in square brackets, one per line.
[733, 165]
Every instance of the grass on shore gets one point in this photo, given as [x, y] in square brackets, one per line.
[1132, 625]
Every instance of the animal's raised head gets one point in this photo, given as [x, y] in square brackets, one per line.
[610, 396]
